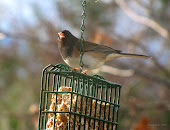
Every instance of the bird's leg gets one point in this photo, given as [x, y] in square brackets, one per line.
[75, 69]
[84, 72]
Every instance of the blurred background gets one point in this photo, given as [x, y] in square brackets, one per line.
[28, 43]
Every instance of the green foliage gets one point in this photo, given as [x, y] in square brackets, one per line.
[13, 123]
[165, 2]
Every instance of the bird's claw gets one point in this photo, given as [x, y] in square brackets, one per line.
[84, 72]
[75, 69]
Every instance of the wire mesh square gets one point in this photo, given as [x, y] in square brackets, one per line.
[72, 100]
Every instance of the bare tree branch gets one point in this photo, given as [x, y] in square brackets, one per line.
[156, 62]
[143, 20]
[147, 75]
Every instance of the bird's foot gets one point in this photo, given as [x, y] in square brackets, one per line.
[84, 72]
[75, 69]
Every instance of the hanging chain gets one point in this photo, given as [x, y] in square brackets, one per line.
[83, 15]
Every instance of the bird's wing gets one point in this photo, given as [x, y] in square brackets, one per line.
[89, 46]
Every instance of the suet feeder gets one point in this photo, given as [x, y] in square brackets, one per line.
[78, 101]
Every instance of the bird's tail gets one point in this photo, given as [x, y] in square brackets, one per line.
[118, 55]
[134, 55]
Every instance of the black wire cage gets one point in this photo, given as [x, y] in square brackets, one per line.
[72, 100]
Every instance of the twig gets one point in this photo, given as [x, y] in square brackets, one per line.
[143, 20]
[165, 71]
[147, 75]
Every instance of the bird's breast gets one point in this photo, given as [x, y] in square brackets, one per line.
[72, 61]
[90, 61]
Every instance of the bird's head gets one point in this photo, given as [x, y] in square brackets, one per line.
[65, 38]
[64, 34]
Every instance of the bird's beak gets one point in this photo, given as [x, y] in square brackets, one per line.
[61, 35]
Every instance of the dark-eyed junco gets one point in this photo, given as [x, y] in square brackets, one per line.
[95, 55]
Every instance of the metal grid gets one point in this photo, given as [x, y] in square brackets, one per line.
[91, 88]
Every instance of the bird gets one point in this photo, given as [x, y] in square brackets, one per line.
[95, 55]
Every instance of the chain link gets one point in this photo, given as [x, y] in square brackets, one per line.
[83, 16]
